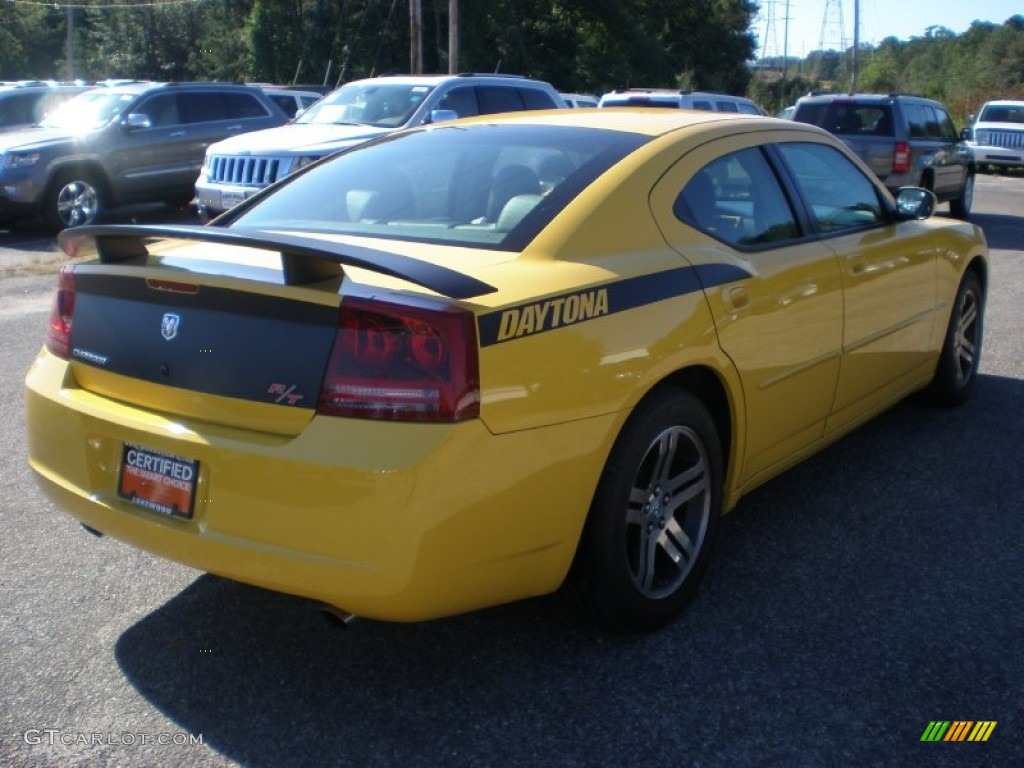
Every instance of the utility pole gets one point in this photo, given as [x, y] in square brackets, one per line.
[453, 37]
[856, 44]
[69, 44]
[415, 37]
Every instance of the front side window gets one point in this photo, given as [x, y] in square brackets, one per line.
[737, 198]
[839, 195]
[479, 186]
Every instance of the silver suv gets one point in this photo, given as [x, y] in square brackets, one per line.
[663, 97]
[358, 111]
[128, 143]
[906, 140]
[997, 135]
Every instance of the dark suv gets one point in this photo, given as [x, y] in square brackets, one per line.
[128, 143]
[906, 140]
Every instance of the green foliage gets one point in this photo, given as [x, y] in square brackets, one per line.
[578, 45]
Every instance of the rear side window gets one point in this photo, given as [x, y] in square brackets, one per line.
[737, 198]
[534, 98]
[726, 106]
[243, 105]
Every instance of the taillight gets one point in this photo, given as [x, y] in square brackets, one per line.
[901, 157]
[58, 334]
[402, 363]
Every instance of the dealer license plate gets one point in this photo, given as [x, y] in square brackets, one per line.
[160, 482]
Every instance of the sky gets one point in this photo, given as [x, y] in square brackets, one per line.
[811, 21]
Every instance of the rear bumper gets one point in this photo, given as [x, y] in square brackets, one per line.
[389, 521]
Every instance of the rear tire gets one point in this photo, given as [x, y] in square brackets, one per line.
[73, 199]
[961, 351]
[961, 206]
[654, 516]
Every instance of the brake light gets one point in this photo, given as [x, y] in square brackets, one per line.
[58, 333]
[402, 364]
[901, 157]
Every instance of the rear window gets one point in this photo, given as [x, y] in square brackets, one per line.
[482, 186]
[847, 117]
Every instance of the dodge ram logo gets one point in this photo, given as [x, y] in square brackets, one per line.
[169, 325]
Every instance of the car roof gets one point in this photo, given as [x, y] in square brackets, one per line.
[438, 79]
[645, 121]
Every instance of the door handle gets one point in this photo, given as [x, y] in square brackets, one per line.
[178, 134]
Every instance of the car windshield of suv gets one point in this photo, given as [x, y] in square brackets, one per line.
[1002, 113]
[87, 111]
[484, 186]
[382, 105]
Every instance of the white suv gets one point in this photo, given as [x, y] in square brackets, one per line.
[358, 111]
[663, 97]
[996, 137]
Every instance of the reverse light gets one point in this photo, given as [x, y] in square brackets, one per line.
[901, 157]
[58, 332]
[402, 363]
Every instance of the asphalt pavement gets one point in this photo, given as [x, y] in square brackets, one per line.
[870, 591]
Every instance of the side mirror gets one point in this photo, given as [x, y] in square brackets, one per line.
[136, 121]
[443, 115]
[915, 203]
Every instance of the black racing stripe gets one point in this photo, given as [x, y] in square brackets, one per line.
[565, 309]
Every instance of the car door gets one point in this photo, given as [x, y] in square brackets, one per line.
[146, 161]
[889, 278]
[777, 304]
[950, 159]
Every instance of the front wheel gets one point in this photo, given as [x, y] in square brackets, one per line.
[74, 199]
[653, 517]
[961, 206]
[961, 350]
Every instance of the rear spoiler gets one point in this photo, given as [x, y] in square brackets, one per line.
[303, 259]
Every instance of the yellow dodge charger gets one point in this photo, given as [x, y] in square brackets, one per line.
[473, 362]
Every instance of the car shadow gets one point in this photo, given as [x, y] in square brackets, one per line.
[33, 234]
[1002, 231]
[836, 596]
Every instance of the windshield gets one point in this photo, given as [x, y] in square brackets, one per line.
[1002, 113]
[382, 105]
[489, 186]
[87, 111]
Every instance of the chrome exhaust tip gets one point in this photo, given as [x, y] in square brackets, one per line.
[337, 617]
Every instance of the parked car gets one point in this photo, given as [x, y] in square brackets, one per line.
[127, 143]
[358, 111]
[662, 97]
[25, 103]
[413, 380]
[291, 100]
[580, 100]
[905, 140]
[996, 136]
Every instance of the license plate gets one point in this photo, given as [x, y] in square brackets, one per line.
[160, 482]
[230, 199]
